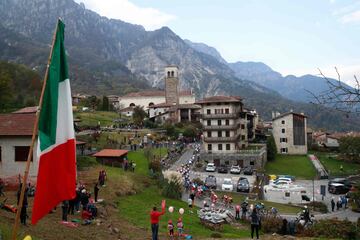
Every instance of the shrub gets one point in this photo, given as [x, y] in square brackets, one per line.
[332, 228]
[271, 224]
[172, 188]
[198, 165]
[155, 166]
[216, 235]
[198, 181]
[319, 206]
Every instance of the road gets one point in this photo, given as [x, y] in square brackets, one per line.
[308, 184]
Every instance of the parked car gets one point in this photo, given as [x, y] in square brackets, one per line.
[344, 181]
[281, 180]
[227, 185]
[338, 188]
[223, 169]
[235, 169]
[210, 182]
[286, 176]
[210, 167]
[243, 185]
[248, 170]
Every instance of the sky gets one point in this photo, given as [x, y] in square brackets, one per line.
[290, 36]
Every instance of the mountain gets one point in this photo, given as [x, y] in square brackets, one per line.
[108, 56]
[202, 47]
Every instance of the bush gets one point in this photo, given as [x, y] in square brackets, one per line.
[155, 166]
[172, 188]
[216, 235]
[319, 206]
[271, 224]
[332, 228]
[198, 181]
[198, 165]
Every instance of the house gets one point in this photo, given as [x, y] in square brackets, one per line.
[114, 101]
[289, 131]
[225, 135]
[160, 113]
[15, 139]
[111, 157]
[128, 111]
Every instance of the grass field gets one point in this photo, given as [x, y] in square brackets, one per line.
[93, 118]
[136, 209]
[296, 165]
[332, 165]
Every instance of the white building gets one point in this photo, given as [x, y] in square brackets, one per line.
[15, 139]
[289, 131]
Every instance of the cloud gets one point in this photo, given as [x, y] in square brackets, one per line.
[125, 10]
[351, 17]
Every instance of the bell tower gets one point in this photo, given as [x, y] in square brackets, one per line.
[172, 85]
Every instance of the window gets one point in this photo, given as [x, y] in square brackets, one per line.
[209, 147]
[284, 150]
[283, 122]
[227, 134]
[283, 140]
[209, 122]
[227, 146]
[227, 122]
[242, 126]
[219, 122]
[219, 134]
[226, 111]
[243, 146]
[209, 134]
[252, 163]
[21, 153]
[242, 137]
[283, 130]
[208, 111]
[219, 146]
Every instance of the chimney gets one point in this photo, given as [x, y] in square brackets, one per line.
[272, 115]
[277, 114]
[302, 113]
[291, 110]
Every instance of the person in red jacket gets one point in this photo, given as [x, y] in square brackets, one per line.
[154, 216]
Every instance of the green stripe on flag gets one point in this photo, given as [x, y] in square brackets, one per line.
[58, 72]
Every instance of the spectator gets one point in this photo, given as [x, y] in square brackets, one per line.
[154, 219]
[237, 212]
[284, 226]
[65, 208]
[180, 227]
[255, 222]
[96, 191]
[2, 186]
[171, 229]
[23, 213]
[332, 204]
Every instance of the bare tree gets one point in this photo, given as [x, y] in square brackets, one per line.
[339, 96]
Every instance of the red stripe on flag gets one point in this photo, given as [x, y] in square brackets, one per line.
[56, 179]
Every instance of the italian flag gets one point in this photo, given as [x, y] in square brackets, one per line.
[56, 180]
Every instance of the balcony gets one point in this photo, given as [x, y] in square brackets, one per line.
[222, 127]
[220, 116]
[222, 139]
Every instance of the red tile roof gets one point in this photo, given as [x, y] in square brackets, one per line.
[17, 124]
[27, 110]
[155, 93]
[111, 153]
[215, 99]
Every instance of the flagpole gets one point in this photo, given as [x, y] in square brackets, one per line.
[33, 138]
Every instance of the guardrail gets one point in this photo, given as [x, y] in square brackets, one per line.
[220, 116]
[222, 127]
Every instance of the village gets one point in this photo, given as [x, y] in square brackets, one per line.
[212, 159]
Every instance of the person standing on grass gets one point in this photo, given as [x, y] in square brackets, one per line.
[96, 191]
[154, 219]
[65, 208]
[237, 212]
[255, 222]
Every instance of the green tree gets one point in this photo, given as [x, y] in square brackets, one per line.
[5, 91]
[170, 130]
[139, 115]
[93, 102]
[350, 148]
[105, 103]
[271, 148]
[189, 131]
